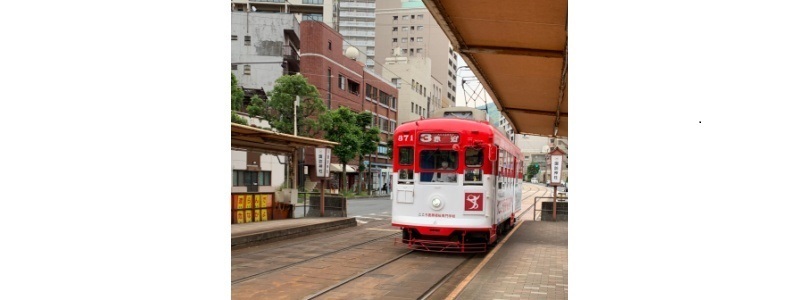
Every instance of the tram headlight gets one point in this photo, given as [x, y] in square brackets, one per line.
[436, 203]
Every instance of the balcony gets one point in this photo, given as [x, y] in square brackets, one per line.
[356, 24]
[363, 43]
[356, 5]
[357, 33]
[290, 53]
[371, 52]
[357, 14]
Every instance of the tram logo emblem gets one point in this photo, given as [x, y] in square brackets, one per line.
[473, 202]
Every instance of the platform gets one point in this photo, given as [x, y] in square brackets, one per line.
[250, 234]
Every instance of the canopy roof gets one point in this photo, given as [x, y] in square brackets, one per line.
[518, 51]
[252, 138]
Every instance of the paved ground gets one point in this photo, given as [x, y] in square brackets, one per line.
[532, 264]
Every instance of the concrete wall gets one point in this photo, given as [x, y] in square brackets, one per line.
[266, 45]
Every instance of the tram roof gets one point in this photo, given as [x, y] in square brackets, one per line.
[518, 51]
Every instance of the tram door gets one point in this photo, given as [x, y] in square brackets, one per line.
[493, 154]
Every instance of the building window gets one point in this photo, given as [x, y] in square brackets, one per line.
[234, 67]
[419, 28]
[419, 17]
[353, 87]
[245, 178]
[394, 40]
[412, 17]
[329, 45]
[405, 51]
[247, 40]
[412, 51]
[234, 37]
[405, 28]
[419, 39]
[394, 18]
[342, 82]
[246, 69]
[394, 28]
[404, 40]
[405, 18]
[419, 50]
[310, 1]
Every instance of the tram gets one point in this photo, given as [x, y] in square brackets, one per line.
[457, 182]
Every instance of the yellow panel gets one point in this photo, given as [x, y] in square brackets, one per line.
[248, 216]
[248, 201]
[257, 202]
[264, 215]
[256, 216]
[239, 201]
[239, 216]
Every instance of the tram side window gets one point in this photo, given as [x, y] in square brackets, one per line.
[438, 165]
[473, 159]
[406, 176]
[406, 156]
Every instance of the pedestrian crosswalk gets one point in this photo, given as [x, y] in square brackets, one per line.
[373, 217]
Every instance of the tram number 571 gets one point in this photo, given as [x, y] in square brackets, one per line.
[405, 138]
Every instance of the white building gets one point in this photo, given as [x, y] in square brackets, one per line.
[356, 23]
[416, 87]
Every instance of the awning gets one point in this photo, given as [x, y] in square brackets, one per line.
[518, 51]
[337, 168]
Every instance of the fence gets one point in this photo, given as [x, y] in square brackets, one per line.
[543, 210]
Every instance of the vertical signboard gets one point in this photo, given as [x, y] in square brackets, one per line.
[556, 169]
[322, 156]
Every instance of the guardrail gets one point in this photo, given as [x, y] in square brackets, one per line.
[545, 212]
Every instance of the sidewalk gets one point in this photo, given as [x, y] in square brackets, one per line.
[530, 264]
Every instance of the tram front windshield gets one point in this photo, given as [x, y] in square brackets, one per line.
[438, 165]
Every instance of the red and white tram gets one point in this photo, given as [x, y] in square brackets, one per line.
[457, 182]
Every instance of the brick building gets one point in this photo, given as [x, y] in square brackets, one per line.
[343, 82]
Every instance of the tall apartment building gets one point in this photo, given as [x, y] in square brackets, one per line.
[357, 26]
[317, 10]
[343, 82]
[406, 28]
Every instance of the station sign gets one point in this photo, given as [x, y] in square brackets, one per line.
[555, 170]
[322, 157]
[438, 138]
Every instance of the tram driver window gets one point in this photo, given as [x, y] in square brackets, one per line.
[473, 159]
[438, 165]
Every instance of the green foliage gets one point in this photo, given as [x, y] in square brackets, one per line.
[341, 126]
[278, 109]
[235, 118]
[369, 138]
[533, 169]
[237, 94]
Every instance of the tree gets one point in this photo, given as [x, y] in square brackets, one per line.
[278, 108]
[369, 137]
[533, 169]
[237, 98]
[341, 126]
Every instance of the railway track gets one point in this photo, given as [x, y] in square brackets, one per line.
[261, 273]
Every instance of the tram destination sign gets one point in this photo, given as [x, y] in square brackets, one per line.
[438, 138]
